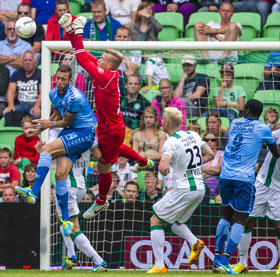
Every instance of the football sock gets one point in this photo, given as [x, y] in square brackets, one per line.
[184, 232]
[132, 155]
[221, 234]
[62, 198]
[104, 183]
[42, 170]
[68, 243]
[158, 240]
[243, 246]
[84, 245]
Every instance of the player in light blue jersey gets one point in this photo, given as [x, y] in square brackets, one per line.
[237, 189]
[73, 113]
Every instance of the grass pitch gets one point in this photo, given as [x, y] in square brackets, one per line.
[114, 273]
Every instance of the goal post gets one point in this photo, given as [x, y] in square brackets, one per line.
[166, 47]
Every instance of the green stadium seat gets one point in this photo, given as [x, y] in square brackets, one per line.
[251, 24]
[151, 94]
[173, 25]
[3, 145]
[272, 26]
[200, 17]
[75, 7]
[175, 71]
[87, 15]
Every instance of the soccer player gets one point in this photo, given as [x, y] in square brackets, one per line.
[186, 153]
[111, 127]
[266, 205]
[73, 113]
[237, 189]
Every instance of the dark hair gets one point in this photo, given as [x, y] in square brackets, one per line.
[6, 150]
[61, 2]
[27, 168]
[123, 28]
[65, 68]
[254, 106]
[131, 183]
[24, 5]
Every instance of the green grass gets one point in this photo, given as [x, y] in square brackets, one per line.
[114, 273]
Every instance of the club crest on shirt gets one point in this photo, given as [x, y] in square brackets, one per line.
[100, 70]
[63, 104]
[137, 106]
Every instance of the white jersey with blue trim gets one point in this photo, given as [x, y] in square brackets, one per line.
[185, 149]
[246, 138]
[74, 102]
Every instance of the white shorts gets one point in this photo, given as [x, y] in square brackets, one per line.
[75, 195]
[266, 203]
[177, 205]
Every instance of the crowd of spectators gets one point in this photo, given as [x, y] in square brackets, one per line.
[128, 20]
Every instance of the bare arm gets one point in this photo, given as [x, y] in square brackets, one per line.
[238, 106]
[11, 97]
[219, 99]
[164, 165]
[197, 94]
[129, 64]
[55, 116]
[149, 85]
[207, 154]
[275, 151]
[5, 15]
[37, 47]
[158, 156]
[33, 13]
[214, 170]
[179, 89]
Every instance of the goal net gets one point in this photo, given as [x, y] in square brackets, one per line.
[121, 234]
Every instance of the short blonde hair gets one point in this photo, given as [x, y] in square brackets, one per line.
[174, 116]
[116, 58]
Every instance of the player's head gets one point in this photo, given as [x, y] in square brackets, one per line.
[253, 108]
[63, 77]
[9, 195]
[171, 119]
[23, 9]
[122, 34]
[110, 60]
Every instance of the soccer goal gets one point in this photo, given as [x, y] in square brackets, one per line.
[121, 234]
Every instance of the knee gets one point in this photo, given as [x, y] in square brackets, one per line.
[60, 175]
[232, 27]
[154, 221]
[198, 25]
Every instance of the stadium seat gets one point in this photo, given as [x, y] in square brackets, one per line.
[151, 94]
[3, 145]
[251, 24]
[269, 98]
[272, 26]
[173, 25]
[75, 7]
[87, 15]
[202, 122]
[175, 71]
[200, 17]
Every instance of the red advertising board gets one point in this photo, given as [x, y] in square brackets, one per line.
[263, 253]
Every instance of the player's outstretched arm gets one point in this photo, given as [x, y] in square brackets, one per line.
[207, 154]
[164, 165]
[275, 150]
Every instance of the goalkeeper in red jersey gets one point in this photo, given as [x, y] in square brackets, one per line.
[111, 126]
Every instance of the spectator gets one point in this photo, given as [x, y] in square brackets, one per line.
[131, 192]
[114, 193]
[25, 87]
[166, 99]
[151, 193]
[271, 118]
[89, 197]
[223, 31]
[193, 87]
[123, 170]
[149, 139]
[123, 10]
[42, 10]
[146, 27]
[4, 84]
[155, 70]
[54, 30]
[8, 9]
[262, 7]
[212, 169]
[276, 7]
[25, 151]
[24, 9]
[132, 58]
[12, 48]
[185, 7]
[101, 27]
[229, 98]
[28, 175]
[210, 5]
[194, 126]
[271, 72]
[9, 173]
[214, 126]
[9, 195]
[79, 79]
[133, 103]
[52, 196]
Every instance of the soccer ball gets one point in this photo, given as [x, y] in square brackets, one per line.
[26, 27]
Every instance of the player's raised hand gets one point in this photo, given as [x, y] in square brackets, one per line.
[78, 25]
[66, 23]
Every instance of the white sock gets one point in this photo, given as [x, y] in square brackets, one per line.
[68, 243]
[184, 232]
[84, 245]
[243, 247]
[158, 240]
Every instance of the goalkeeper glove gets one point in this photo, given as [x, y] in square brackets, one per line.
[78, 25]
[65, 22]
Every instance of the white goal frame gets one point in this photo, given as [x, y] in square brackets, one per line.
[48, 46]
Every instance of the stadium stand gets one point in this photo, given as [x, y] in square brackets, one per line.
[272, 26]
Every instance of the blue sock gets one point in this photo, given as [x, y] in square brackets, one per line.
[221, 234]
[62, 198]
[42, 170]
[234, 238]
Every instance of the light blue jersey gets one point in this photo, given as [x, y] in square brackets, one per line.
[74, 102]
[246, 138]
